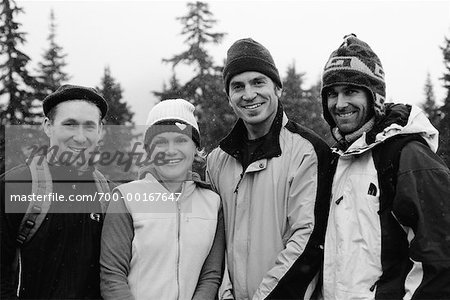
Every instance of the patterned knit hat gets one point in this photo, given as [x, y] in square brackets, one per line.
[172, 115]
[354, 63]
[249, 55]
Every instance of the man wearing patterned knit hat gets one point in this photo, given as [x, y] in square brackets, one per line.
[271, 174]
[388, 232]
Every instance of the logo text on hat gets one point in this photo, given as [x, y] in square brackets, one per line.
[379, 71]
[338, 62]
[354, 64]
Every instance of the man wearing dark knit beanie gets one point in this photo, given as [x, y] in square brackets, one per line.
[388, 227]
[271, 174]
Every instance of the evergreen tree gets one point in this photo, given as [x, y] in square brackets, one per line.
[293, 93]
[430, 108]
[205, 88]
[197, 25]
[444, 124]
[118, 130]
[173, 91]
[50, 69]
[304, 106]
[17, 84]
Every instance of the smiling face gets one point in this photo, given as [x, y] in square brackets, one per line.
[179, 152]
[348, 106]
[254, 98]
[74, 131]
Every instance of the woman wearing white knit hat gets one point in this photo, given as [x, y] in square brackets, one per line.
[164, 237]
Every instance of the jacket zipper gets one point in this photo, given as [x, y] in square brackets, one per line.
[19, 285]
[178, 242]
[235, 209]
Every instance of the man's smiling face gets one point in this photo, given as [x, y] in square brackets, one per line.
[254, 98]
[75, 129]
[349, 107]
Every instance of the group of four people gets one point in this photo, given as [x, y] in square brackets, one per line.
[284, 215]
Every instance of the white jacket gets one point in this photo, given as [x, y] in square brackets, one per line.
[171, 240]
[353, 262]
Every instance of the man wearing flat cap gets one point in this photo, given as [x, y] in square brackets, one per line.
[50, 243]
[271, 174]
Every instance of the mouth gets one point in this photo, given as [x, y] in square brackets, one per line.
[346, 114]
[77, 150]
[173, 161]
[252, 106]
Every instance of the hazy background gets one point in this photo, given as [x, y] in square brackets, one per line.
[132, 37]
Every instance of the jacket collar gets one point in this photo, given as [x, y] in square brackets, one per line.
[399, 119]
[233, 143]
[192, 176]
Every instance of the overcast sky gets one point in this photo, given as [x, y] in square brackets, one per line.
[132, 37]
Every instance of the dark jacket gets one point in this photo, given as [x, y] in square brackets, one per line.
[61, 261]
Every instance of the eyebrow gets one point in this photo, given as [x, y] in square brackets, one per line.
[260, 77]
[233, 83]
[89, 122]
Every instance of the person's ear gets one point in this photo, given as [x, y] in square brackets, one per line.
[47, 124]
[100, 127]
[278, 91]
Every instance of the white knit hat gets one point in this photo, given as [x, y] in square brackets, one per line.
[174, 115]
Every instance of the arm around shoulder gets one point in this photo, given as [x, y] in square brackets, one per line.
[212, 271]
[115, 255]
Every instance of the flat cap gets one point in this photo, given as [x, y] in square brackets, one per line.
[69, 92]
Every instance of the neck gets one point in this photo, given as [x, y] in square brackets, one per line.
[76, 163]
[255, 131]
[173, 186]
[349, 138]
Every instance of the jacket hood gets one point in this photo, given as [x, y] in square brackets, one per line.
[400, 119]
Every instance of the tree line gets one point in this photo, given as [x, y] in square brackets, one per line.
[22, 91]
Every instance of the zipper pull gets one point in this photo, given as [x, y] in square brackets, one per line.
[372, 288]
[339, 200]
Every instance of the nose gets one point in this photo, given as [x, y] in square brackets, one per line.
[171, 149]
[80, 136]
[341, 101]
[249, 94]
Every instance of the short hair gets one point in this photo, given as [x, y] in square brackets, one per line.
[52, 112]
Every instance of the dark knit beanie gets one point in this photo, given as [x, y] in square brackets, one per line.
[249, 55]
[354, 63]
[74, 92]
